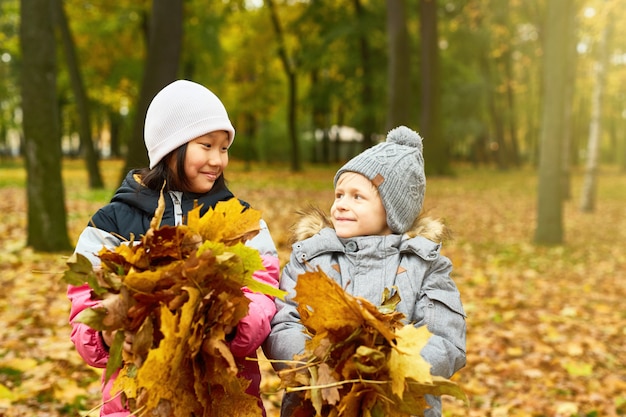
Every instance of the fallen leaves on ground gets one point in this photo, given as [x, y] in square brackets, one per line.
[546, 325]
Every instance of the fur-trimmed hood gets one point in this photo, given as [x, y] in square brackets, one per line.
[312, 219]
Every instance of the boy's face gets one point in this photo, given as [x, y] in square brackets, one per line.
[358, 209]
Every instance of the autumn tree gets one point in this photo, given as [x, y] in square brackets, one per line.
[498, 64]
[165, 34]
[588, 196]
[80, 95]
[549, 228]
[318, 63]
[367, 121]
[570, 87]
[436, 148]
[399, 73]
[290, 68]
[47, 229]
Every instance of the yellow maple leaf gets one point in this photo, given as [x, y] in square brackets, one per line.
[166, 362]
[226, 396]
[145, 281]
[405, 360]
[242, 262]
[158, 213]
[242, 224]
[125, 382]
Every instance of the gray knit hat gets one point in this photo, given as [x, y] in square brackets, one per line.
[179, 113]
[396, 168]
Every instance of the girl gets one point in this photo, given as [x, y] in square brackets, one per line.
[187, 134]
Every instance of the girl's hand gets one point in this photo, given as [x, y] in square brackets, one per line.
[129, 338]
[108, 336]
[231, 332]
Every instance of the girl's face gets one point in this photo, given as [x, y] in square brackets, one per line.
[358, 209]
[205, 160]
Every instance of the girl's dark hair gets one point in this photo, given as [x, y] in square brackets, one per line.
[174, 181]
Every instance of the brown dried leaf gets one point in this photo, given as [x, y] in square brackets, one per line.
[325, 377]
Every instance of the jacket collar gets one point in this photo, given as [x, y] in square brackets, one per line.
[312, 220]
[315, 235]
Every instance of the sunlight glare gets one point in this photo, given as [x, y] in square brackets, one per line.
[589, 12]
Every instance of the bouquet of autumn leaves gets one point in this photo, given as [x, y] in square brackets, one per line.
[361, 360]
[179, 291]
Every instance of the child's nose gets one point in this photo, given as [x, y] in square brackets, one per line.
[341, 204]
[214, 157]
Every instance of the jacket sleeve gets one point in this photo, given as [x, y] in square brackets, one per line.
[287, 337]
[441, 310]
[255, 326]
[88, 341]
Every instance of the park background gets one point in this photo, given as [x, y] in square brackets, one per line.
[521, 105]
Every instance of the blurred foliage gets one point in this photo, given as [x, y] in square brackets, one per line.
[488, 48]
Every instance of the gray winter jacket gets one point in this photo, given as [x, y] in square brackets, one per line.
[365, 266]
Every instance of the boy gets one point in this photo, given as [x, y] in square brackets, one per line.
[376, 239]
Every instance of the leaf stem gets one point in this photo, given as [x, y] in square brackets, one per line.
[335, 384]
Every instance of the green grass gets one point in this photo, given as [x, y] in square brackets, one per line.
[12, 173]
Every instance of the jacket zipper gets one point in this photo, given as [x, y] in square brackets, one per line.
[178, 208]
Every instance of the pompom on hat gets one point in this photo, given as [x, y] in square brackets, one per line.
[179, 113]
[396, 168]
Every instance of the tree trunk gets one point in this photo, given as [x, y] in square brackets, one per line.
[550, 197]
[320, 115]
[513, 148]
[497, 146]
[435, 147]
[368, 118]
[509, 147]
[47, 226]
[588, 196]
[290, 71]
[399, 73]
[568, 101]
[82, 101]
[249, 132]
[115, 127]
[161, 68]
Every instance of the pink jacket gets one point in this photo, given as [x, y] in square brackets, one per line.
[251, 330]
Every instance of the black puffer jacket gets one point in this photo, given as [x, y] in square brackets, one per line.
[133, 205]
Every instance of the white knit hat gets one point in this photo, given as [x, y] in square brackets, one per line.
[179, 113]
[396, 168]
